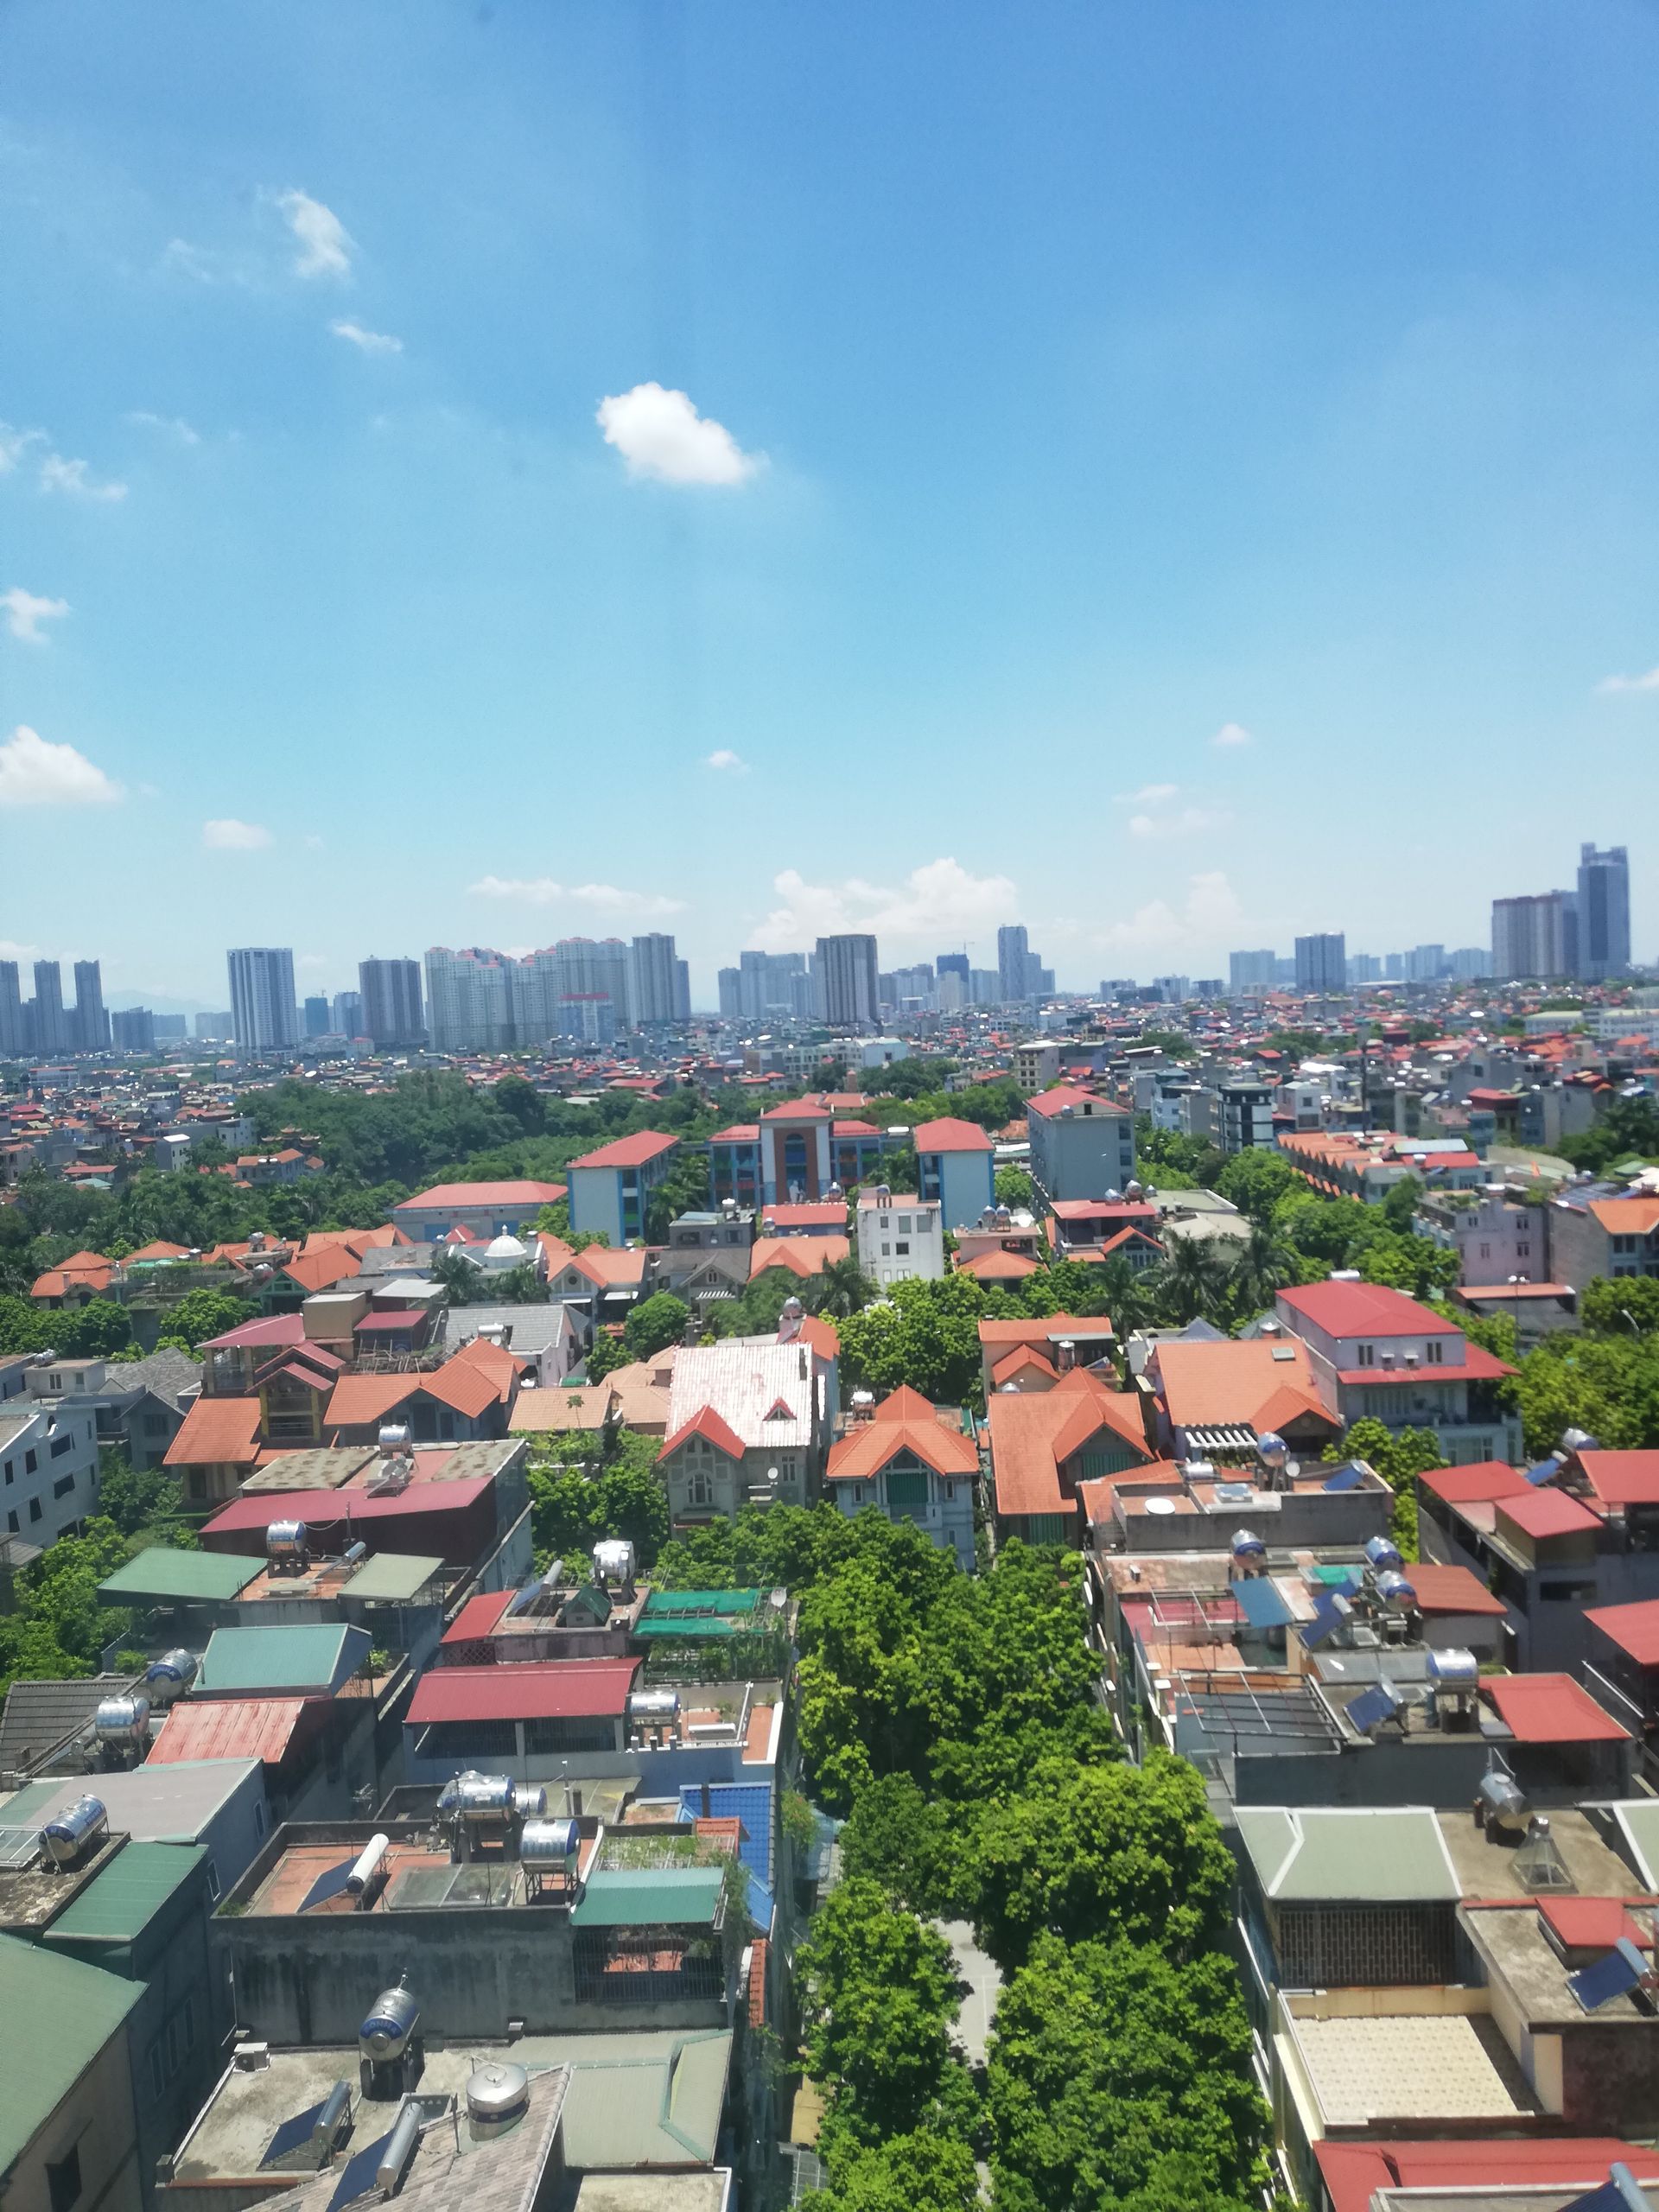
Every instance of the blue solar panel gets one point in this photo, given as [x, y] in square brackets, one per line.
[1373, 1706]
[1617, 1972]
[1545, 1470]
[1348, 1478]
[750, 1802]
[1327, 1619]
[292, 2133]
[328, 1884]
[1620, 2192]
[357, 2176]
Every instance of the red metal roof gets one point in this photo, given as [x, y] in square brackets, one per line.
[1354, 2172]
[1634, 1629]
[1548, 1513]
[1551, 1709]
[1476, 1485]
[1364, 1309]
[519, 1192]
[949, 1134]
[480, 1615]
[707, 1424]
[1452, 1589]
[228, 1728]
[322, 1509]
[560, 1689]
[1622, 1477]
[1595, 1924]
[629, 1152]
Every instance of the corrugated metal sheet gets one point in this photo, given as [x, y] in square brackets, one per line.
[310, 1657]
[392, 1575]
[72, 2012]
[119, 1903]
[328, 1509]
[162, 1572]
[233, 1728]
[562, 1689]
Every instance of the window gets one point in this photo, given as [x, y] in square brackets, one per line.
[699, 1491]
[7, 1471]
[63, 2179]
[31, 1460]
[1485, 1251]
[902, 1247]
[62, 1444]
[11, 1522]
[63, 1485]
[1365, 1356]
[212, 1881]
[1523, 1251]
[1434, 1352]
[34, 1508]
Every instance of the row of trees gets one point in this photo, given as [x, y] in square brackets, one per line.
[953, 1719]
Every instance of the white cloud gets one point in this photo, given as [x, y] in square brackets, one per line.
[939, 900]
[230, 836]
[35, 773]
[366, 341]
[13, 446]
[1148, 795]
[11, 951]
[167, 426]
[325, 245]
[1614, 684]
[660, 434]
[25, 611]
[603, 897]
[1232, 733]
[74, 477]
[733, 762]
[1180, 822]
[1208, 916]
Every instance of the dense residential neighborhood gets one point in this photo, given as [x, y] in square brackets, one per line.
[963, 1573]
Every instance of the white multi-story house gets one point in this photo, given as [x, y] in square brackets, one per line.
[48, 1468]
[900, 1237]
[1496, 1238]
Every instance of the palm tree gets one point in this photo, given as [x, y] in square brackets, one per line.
[1193, 1283]
[458, 1277]
[839, 1288]
[1263, 1267]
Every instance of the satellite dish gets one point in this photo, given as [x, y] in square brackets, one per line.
[1160, 1505]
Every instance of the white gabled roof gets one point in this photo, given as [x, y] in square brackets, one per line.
[744, 1379]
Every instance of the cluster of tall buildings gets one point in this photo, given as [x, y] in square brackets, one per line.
[1583, 935]
[581, 989]
[841, 984]
[43, 1026]
[385, 1007]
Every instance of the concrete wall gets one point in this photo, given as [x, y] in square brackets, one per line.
[97, 2120]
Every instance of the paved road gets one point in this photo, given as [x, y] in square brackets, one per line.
[984, 1981]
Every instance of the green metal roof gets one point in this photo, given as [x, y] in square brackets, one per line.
[697, 1626]
[261, 1661]
[392, 1575]
[163, 1574]
[1389, 1854]
[71, 2012]
[664, 1896]
[118, 1904]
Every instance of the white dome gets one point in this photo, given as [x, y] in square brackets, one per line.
[506, 1248]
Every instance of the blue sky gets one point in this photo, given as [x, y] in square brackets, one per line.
[1043, 394]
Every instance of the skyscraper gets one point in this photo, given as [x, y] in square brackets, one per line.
[390, 1010]
[316, 1017]
[1250, 972]
[469, 999]
[1604, 913]
[349, 1009]
[51, 1017]
[1013, 952]
[681, 989]
[92, 1023]
[1322, 962]
[847, 973]
[730, 982]
[11, 1009]
[263, 1012]
[1536, 938]
[654, 960]
[953, 964]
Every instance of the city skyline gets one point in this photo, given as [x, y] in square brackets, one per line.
[522, 501]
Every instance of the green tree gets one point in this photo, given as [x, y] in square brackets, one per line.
[654, 1324]
[1255, 1180]
[877, 1993]
[1628, 1307]
[605, 1355]
[908, 1840]
[1117, 2075]
[838, 1289]
[1192, 1285]
[522, 1102]
[458, 1277]
[924, 2171]
[1107, 1851]
[584, 1488]
[202, 1314]
[150, 1499]
[1014, 1187]
[923, 1333]
[1262, 1267]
